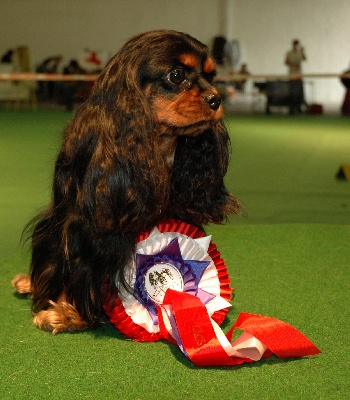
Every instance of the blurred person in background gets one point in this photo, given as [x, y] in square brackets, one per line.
[293, 60]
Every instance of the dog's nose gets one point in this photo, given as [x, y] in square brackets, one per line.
[214, 100]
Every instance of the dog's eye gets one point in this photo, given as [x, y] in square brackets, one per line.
[176, 76]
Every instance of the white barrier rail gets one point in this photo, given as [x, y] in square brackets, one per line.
[46, 77]
[224, 78]
[269, 77]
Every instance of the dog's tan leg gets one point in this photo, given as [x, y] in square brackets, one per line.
[22, 284]
[59, 317]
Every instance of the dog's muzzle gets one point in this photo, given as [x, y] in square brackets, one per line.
[213, 100]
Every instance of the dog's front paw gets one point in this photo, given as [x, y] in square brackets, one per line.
[59, 317]
[22, 283]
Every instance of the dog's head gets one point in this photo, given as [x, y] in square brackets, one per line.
[168, 75]
[176, 76]
[129, 142]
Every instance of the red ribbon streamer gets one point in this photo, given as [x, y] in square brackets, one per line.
[203, 347]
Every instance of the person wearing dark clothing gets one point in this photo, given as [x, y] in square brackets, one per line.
[293, 60]
[71, 88]
[47, 89]
[345, 79]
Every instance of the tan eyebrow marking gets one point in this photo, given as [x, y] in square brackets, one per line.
[189, 60]
[209, 65]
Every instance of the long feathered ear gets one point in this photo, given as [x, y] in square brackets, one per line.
[109, 169]
[109, 179]
[198, 194]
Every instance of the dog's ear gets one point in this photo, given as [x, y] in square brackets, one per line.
[110, 168]
[198, 193]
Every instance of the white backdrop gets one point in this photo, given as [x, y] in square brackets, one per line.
[267, 27]
[264, 28]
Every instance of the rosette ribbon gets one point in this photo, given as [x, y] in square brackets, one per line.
[181, 293]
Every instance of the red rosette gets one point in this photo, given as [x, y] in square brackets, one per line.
[116, 312]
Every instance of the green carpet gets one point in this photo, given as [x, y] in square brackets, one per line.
[284, 169]
[28, 145]
[288, 258]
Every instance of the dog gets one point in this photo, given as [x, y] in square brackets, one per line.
[148, 144]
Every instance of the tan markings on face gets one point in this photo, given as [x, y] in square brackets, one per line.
[185, 109]
[189, 60]
[209, 65]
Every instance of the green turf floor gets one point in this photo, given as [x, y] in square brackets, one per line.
[284, 169]
[289, 258]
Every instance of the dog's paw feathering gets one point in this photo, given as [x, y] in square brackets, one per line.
[22, 284]
[59, 317]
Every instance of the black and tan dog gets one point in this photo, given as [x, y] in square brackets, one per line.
[148, 144]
